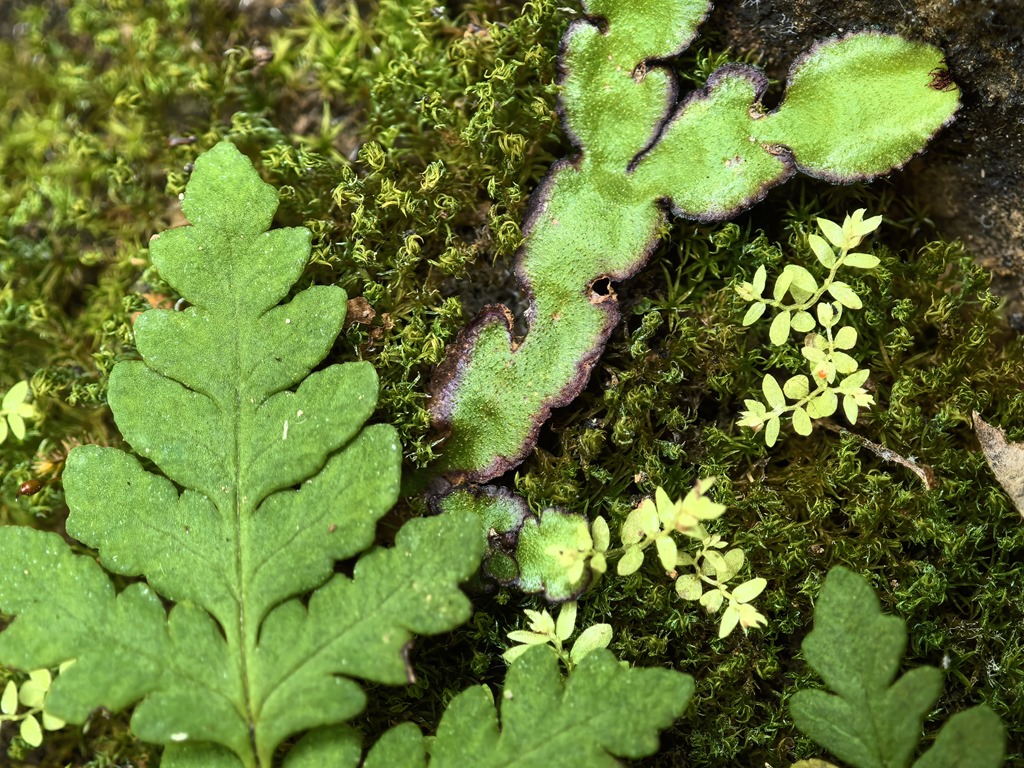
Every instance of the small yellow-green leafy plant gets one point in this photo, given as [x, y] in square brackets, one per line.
[656, 521]
[14, 410]
[815, 309]
[545, 630]
[31, 695]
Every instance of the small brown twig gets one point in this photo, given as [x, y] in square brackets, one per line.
[922, 471]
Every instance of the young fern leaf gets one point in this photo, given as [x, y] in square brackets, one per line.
[264, 486]
[872, 721]
[603, 709]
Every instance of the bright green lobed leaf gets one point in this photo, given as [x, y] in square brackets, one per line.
[803, 322]
[773, 392]
[14, 397]
[825, 404]
[826, 314]
[801, 278]
[861, 261]
[17, 425]
[871, 721]
[861, 226]
[716, 565]
[832, 231]
[782, 284]
[854, 380]
[641, 523]
[843, 362]
[748, 590]
[268, 479]
[730, 620]
[760, 278]
[845, 338]
[859, 106]
[734, 560]
[850, 408]
[603, 709]
[665, 506]
[712, 600]
[689, 587]
[541, 621]
[802, 422]
[845, 295]
[667, 552]
[796, 387]
[33, 691]
[51, 723]
[528, 638]
[601, 533]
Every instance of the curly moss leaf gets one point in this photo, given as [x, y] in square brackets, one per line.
[265, 486]
[872, 721]
[602, 710]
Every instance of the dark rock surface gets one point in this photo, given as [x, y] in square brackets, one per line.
[972, 177]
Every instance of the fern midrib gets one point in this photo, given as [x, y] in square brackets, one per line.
[238, 498]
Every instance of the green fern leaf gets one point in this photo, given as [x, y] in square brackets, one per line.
[872, 721]
[602, 710]
[266, 477]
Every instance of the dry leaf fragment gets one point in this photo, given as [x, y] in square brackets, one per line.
[1005, 459]
[359, 311]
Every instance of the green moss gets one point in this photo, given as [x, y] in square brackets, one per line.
[409, 141]
[661, 408]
